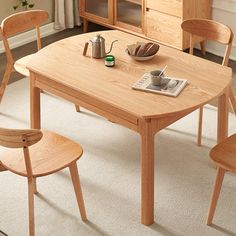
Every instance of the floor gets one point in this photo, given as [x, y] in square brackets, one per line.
[110, 176]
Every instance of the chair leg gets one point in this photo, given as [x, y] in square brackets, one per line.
[5, 80]
[199, 136]
[77, 107]
[215, 194]
[31, 207]
[232, 100]
[78, 191]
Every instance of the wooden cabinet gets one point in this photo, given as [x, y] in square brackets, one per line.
[99, 11]
[170, 7]
[129, 15]
[158, 20]
[164, 18]
[164, 28]
[123, 14]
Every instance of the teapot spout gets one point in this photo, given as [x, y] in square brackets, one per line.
[111, 46]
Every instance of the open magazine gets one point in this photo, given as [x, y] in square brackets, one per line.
[169, 86]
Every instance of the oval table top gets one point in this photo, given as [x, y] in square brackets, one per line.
[64, 63]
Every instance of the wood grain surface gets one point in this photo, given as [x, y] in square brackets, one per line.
[90, 77]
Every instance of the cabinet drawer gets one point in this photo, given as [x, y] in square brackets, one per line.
[164, 28]
[172, 7]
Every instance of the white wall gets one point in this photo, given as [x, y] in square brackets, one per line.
[6, 7]
[224, 11]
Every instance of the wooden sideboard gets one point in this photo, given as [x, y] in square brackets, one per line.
[158, 20]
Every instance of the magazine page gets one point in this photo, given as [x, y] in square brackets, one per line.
[169, 86]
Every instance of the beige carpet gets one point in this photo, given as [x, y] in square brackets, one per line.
[110, 177]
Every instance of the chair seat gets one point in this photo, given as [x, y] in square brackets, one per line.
[45, 159]
[224, 154]
[21, 65]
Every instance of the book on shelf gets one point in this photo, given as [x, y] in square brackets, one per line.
[169, 86]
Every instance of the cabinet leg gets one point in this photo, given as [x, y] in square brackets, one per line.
[203, 47]
[85, 25]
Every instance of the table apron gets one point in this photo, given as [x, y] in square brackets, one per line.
[75, 97]
[112, 114]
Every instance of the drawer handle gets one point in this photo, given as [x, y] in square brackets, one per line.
[147, 9]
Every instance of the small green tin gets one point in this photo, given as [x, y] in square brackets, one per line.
[109, 61]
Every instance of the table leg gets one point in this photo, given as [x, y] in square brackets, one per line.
[34, 104]
[223, 115]
[147, 175]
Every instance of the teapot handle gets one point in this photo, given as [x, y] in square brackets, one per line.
[85, 48]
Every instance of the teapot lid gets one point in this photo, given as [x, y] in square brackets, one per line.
[98, 39]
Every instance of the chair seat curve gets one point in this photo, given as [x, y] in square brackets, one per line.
[224, 154]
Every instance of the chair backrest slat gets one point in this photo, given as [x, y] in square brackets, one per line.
[13, 138]
[20, 22]
[23, 21]
[209, 30]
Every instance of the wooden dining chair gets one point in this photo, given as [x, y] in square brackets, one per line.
[15, 24]
[214, 31]
[12, 25]
[224, 156]
[48, 153]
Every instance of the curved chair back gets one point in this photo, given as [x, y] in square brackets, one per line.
[209, 30]
[13, 138]
[19, 138]
[23, 21]
[20, 22]
[12, 25]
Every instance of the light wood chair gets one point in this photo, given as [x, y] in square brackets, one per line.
[14, 24]
[224, 156]
[49, 153]
[210, 30]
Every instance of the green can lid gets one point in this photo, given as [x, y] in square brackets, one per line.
[110, 58]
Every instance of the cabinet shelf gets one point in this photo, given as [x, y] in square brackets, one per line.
[128, 12]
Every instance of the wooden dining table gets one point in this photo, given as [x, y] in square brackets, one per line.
[61, 69]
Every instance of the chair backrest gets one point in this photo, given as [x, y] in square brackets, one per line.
[19, 138]
[23, 21]
[209, 30]
[20, 22]
[13, 138]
